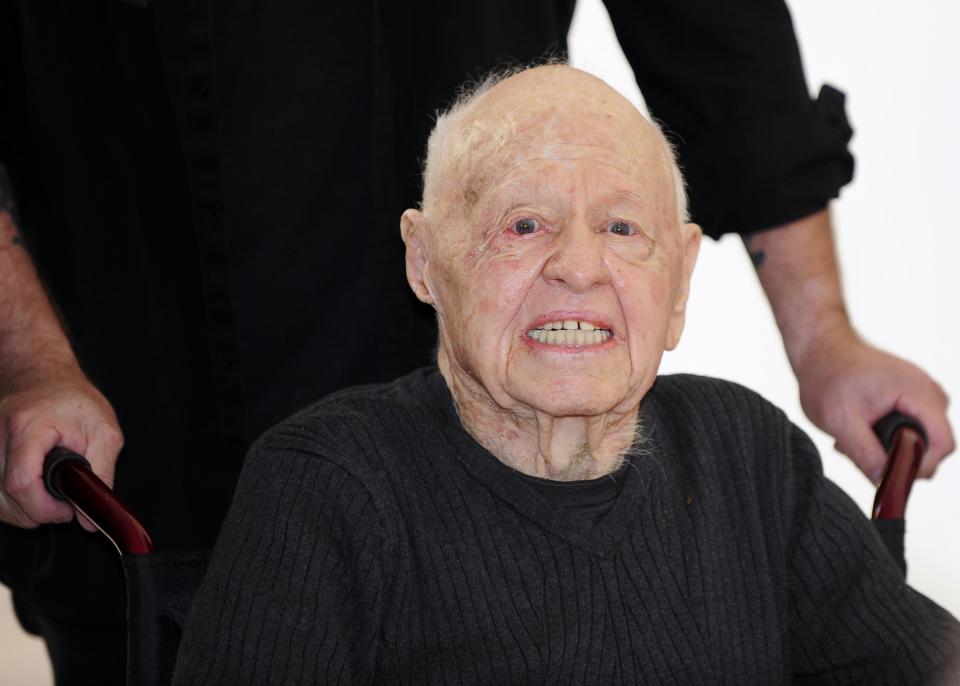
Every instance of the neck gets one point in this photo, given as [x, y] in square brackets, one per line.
[560, 448]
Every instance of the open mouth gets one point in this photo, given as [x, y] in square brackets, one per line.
[569, 333]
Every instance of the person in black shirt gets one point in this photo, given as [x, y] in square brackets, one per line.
[174, 165]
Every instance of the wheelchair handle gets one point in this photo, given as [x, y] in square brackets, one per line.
[905, 442]
[68, 477]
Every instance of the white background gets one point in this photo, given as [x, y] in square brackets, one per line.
[897, 236]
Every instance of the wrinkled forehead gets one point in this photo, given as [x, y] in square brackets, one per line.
[506, 130]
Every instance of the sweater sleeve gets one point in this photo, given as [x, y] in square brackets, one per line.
[295, 586]
[727, 82]
[853, 619]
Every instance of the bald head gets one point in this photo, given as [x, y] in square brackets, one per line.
[515, 115]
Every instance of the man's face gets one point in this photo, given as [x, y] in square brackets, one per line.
[557, 283]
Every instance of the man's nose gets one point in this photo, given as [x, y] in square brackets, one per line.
[577, 260]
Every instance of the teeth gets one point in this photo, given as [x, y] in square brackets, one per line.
[568, 325]
[570, 337]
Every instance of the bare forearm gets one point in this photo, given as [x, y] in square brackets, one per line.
[45, 399]
[797, 267]
[29, 328]
[845, 384]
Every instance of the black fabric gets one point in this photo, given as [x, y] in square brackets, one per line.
[160, 588]
[80, 654]
[727, 81]
[892, 531]
[592, 499]
[212, 190]
[372, 540]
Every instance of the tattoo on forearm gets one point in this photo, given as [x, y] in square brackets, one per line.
[756, 256]
[8, 229]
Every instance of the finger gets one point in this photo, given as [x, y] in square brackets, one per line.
[85, 523]
[102, 451]
[858, 442]
[931, 412]
[23, 476]
[11, 513]
[941, 445]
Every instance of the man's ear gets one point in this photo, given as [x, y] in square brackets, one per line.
[690, 235]
[412, 226]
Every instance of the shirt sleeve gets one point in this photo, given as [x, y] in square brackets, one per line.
[295, 586]
[726, 82]
[12, 116]
[852, 617]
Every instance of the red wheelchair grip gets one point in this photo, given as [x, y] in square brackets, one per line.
[68, 477]
[905, 442]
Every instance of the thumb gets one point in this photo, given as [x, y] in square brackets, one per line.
[858, 442]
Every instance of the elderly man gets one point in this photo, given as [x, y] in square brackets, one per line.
[541, 507]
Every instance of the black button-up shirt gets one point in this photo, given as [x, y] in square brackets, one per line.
[212, 192]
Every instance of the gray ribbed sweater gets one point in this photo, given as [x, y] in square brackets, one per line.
[371, 539]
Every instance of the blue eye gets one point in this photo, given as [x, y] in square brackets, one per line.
[621, 229]
[522, 227]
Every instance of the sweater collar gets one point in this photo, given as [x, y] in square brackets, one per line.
[603, 538]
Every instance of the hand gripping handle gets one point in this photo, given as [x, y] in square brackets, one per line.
[68, 477]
